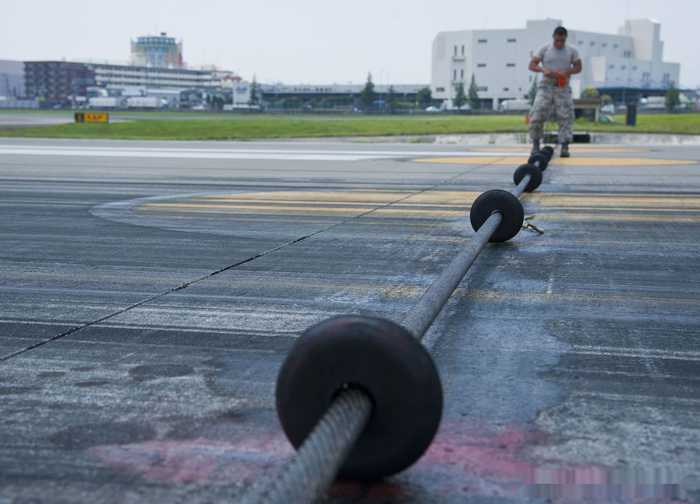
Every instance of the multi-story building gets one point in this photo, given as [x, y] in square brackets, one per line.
[53, 82]
[56, 82]
[621, 65]
[157, 51]
[128, 76]
[11, 79]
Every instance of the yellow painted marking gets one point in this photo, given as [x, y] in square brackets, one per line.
[583, 297]
[575, 161]
[431, 198]
[442, 205]
[292, 210]
[620, 201]
[602, 149]
[616, 217]
[622, 162]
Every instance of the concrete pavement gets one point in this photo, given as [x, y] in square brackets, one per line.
[150, 290]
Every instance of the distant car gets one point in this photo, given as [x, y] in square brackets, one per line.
[608, 109]
[515, 106]
[432, 109]
[199, 108]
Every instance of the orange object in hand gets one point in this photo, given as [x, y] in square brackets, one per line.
[562, 81]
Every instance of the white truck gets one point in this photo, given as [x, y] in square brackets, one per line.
[515, 106]
[144, 102]
[105, 102]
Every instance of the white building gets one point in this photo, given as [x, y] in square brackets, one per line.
[632, 59]
[124, 76]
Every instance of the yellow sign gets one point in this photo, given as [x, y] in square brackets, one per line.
[91, 117]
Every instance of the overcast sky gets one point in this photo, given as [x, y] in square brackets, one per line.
[315, 41]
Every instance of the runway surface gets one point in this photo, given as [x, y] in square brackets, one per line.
[149, 292]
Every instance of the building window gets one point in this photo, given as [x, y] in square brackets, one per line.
[628, 54]
[461, 75]
[512, 40]
[634, 67]
[440, 89]
[580, 42]
[510, 65]
[615, 46]
[455, 51]
[612, 67]
[481, 65]
[462, 50]
[483, 41]
[592, 43]
[454, 75]
[506, 89]
[624, 67]
[605, 44]
[483, 88]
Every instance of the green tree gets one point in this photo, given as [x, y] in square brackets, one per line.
[460, 98]
[673, 98]
[368, 95]
[254, 93]
[590, 92]
[474, 101]
[606, 99]
[532, 94]
[391, 100]
[424, 97]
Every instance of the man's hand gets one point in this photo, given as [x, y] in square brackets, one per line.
[554, 74]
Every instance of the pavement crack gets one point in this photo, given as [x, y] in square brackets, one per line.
[252, 258]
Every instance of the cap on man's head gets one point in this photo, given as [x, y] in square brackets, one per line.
[561, 31]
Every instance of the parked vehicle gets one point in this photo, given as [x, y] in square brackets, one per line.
[145, 102]
[106, 102]
[515, 106]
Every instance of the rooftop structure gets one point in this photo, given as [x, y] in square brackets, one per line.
[158, 51]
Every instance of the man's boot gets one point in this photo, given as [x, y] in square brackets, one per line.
[565, 150]
[535, 147]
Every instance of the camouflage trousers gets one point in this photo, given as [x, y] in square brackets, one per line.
[556, 103]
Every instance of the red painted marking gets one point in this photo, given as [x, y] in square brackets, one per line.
[197, 460]
[462, 461]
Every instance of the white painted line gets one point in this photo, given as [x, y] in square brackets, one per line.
[125, 153]
[243, 153]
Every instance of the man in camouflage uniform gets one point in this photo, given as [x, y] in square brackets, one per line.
[558, 62]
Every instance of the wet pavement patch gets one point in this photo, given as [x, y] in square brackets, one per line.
[81, 437]
[157, 371]
[92, 383]
[51, 374]
[6, 391]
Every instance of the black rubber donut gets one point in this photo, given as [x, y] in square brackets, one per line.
[540, 160]
[535, 176]
[389, 364]
[501, 201]
[548, 150]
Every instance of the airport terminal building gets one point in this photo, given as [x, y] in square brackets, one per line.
[55, 82]
[629, 64]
